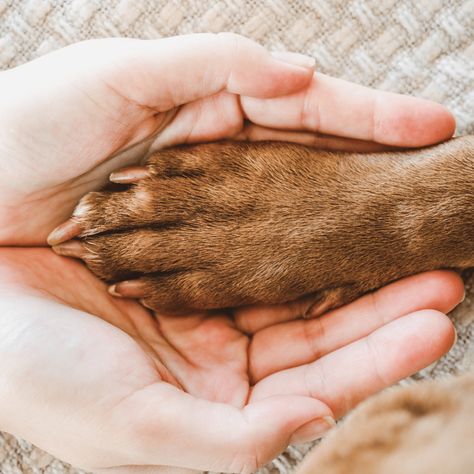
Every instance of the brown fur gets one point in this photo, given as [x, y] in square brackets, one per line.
[427, 428]
[228, 224]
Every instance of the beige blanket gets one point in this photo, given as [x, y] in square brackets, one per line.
[425, 48]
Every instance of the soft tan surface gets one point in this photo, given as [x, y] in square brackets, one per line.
[424, 48]
[423, 429]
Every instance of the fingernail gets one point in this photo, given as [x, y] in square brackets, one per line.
[129, 175]
[312, 430]
[66, 231]
[455, 338]
[296, 59]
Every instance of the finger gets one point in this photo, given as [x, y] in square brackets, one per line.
[348, 375]
[211, 118]
[165, 73]
[166, 419]
[232, 62]
[250, 319]
[219, 116]
[438, 287]
[336, 107]
[252, 132]
[299, 342]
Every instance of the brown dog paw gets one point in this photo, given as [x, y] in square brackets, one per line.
[201, 227]
[228, 224]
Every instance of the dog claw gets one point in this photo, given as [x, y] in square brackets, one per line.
[64, 232]
[73, 248]
[131, 174]
[142, 302]
[128, 289]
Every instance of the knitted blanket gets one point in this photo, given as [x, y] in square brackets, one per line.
[424, 48]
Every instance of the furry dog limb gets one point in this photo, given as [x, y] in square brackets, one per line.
[227, 224]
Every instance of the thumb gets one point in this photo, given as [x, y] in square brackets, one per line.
[168, 72]
[278, 421]
[173, 71]
[184, 431]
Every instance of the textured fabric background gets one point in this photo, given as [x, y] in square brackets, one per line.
[425, 48]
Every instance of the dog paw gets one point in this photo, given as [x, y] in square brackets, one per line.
[204, 227]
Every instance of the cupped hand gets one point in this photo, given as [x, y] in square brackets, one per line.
[100, 382]
[103, 384]
[71, 117]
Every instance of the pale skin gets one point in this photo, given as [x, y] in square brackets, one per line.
[104, 384]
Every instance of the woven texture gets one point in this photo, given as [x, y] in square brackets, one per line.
[425, 48]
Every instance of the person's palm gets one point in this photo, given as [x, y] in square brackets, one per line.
[107, 379]
[121, 379]
[204, 356]
[103, 365]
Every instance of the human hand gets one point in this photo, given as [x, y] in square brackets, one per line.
[63, 128]
[124, 392]
[71, 117]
